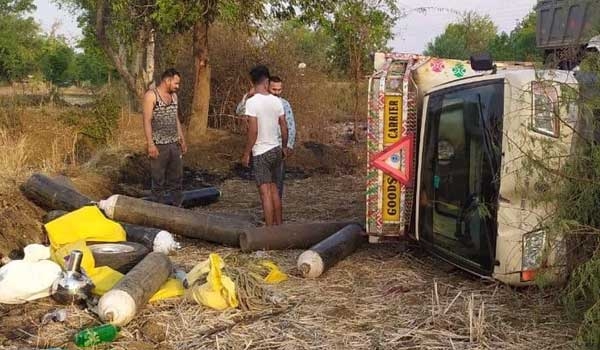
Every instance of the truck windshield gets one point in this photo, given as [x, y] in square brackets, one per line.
[460, 173]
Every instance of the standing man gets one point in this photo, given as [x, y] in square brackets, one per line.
[266, 121]
[164, 139]
[276, 88]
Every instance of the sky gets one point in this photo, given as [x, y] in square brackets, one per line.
[412, 32]
[48, 13]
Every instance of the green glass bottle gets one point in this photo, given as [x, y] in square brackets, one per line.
[96, 335]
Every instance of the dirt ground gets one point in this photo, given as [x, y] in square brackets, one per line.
[385, 296]
[391, 296]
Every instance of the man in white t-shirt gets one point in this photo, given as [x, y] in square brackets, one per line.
[266, 120]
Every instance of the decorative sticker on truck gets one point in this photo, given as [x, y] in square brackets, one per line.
[392, 131]
[459, 70]
[391, 200]
[392, 119]
[389, 88]
[376, 107]
[437, 65]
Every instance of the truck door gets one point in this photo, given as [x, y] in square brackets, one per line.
[458, 177]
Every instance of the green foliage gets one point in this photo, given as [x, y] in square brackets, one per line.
[582, 299]
[99, 121]
[470, 35]
[12, 7]
[19, 39]
[589, 331]
[573, 194]
[523, 42]
[500, 48]
[93, 67]
[179, 16]
[474, 33]
[57, 62]
[307, 44]
[19, 46]
[359, 28]
[104, 116]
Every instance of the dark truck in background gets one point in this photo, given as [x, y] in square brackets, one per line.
[567, 30]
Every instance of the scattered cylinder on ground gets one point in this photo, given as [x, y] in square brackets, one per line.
[193, 224]
[319, 258]
[52, 195]
[198, 197]
[288, 236]
[120, 305]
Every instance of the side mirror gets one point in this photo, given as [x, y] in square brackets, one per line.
[482, 61]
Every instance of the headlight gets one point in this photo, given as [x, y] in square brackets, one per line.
[533, 250]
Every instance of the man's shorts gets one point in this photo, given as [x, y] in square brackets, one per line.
[266, 166]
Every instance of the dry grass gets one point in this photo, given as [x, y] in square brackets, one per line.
[381, 297]
[38, 143]
[14, 156]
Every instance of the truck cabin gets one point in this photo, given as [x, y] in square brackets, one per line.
[453, 173]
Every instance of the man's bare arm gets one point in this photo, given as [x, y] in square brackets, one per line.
[252, 134]
[180, 134]
[147, 107]
[251, 140]
[284, 131]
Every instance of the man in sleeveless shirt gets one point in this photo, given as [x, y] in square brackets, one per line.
[266, 121]
[164, 139]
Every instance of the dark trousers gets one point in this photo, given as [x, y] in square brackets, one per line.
[167, 174]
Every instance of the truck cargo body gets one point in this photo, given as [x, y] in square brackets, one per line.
[567, 30]
[564, 23]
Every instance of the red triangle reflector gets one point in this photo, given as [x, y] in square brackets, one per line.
[396, 160]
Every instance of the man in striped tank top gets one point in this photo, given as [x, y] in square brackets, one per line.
[164, 139]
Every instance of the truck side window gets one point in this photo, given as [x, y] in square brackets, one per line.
[545, 108]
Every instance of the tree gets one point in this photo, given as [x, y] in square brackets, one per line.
[501, 48]
[470, 35]
[125, 32]
[520, 45]
[92, 65]
[523, 40]
[8, 7]
[358, 28]
[199, 15]
[19, 40]
[57, 61]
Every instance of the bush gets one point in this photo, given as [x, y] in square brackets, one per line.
[576, 192]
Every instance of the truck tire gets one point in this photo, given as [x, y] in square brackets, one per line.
[121, 256]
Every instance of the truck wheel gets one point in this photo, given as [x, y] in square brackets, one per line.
[121, 256]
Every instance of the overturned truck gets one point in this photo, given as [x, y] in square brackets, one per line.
[446, 140]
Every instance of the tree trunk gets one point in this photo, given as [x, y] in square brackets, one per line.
[149, 71]
[198, 122]
[132, 76]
